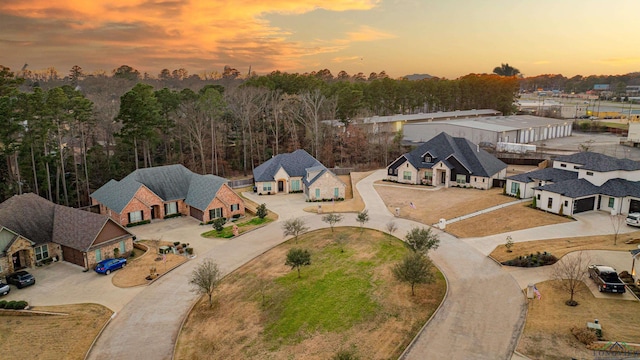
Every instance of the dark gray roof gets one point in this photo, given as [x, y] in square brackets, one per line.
[600, 162]
[295, 164]
[548, 174]
[42, 221]
[581, 187]
[170, 182]
[572, 188]
[443, 146]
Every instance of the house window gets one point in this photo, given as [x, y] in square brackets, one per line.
[98, 255]
[461, 179]
[336, 192]
[266, 186]
[295, 185]
[123, 249]
[215, 213]
[566, 203]
[549, 203]
[171, 208]
[42, 252]
[563, 165]
[538, 196]
[406, 175]
[235, 207]
[611, 201]
[135, 216]
[428, 158]
[589, 173]
[317, 193]
[515, 187]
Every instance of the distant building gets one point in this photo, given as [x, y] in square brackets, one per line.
[487, 131]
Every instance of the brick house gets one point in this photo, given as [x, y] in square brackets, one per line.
[298, 172]
[167, 191]
[34, 230]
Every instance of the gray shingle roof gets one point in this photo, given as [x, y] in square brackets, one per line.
[600, 162]
[170, 182]
[548, 174]
[42, 221]
[295, 164]
[443, 146]
[572, 188]
[581, 187]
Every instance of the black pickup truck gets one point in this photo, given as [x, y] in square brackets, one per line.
[606, 278]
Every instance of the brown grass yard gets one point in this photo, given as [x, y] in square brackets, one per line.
[136, 271]
[510, 218]
[52, 337]
[258, 312]
[547, 332]
[562, 246]
[353, 201]
[433, 204]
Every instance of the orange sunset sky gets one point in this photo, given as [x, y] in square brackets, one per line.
[446, 38]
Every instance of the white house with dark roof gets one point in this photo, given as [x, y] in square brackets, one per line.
[582, 182]
[447, 161]
[167, 191]
[298, 172]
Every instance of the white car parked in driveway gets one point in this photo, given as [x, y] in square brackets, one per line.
[633, 219]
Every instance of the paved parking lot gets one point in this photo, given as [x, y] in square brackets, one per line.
[64, 283]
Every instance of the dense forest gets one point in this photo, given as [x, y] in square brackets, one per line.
[64, 136]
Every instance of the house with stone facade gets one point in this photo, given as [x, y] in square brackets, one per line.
[447, 161]
[34, 231]
[298, 172]
[581, 182]
[167, 191]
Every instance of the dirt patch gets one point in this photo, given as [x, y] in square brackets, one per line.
[547, 332]
[136, 271]
[432, 204]
[353, 201]
[562, 246]
[510, 218]
[52, 336]
[240, 325]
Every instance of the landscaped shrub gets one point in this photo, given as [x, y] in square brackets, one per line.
[176, 243]
[172, 216]
[236, 216]
[20, 305]
[139, 223]
[189, 250]
[532, 260]
[218, 223]
[3, 304]
[584, 335]
[261, 211]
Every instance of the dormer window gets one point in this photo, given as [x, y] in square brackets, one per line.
[427, 158]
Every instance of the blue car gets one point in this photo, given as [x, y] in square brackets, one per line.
[106, 266]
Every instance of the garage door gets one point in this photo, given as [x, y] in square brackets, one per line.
[72, 255]
[634, 206]
[583, 205]
[196, 213]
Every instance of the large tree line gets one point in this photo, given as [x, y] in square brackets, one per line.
[63, 137]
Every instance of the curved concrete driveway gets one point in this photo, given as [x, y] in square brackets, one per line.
[481, 317]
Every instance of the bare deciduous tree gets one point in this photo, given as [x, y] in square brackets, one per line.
[570, 271]
[617, 220]
[205, 278]
[332, 219]
[294, 227]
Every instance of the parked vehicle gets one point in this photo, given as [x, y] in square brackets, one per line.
[106, 266]
[633, 219]
[21, 279]
[606, 278]
[4, 288]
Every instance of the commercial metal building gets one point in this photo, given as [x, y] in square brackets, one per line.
[522, 129]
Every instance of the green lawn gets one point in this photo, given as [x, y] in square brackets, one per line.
[227, 231]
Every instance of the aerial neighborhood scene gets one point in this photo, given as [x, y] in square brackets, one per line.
[319, 180]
